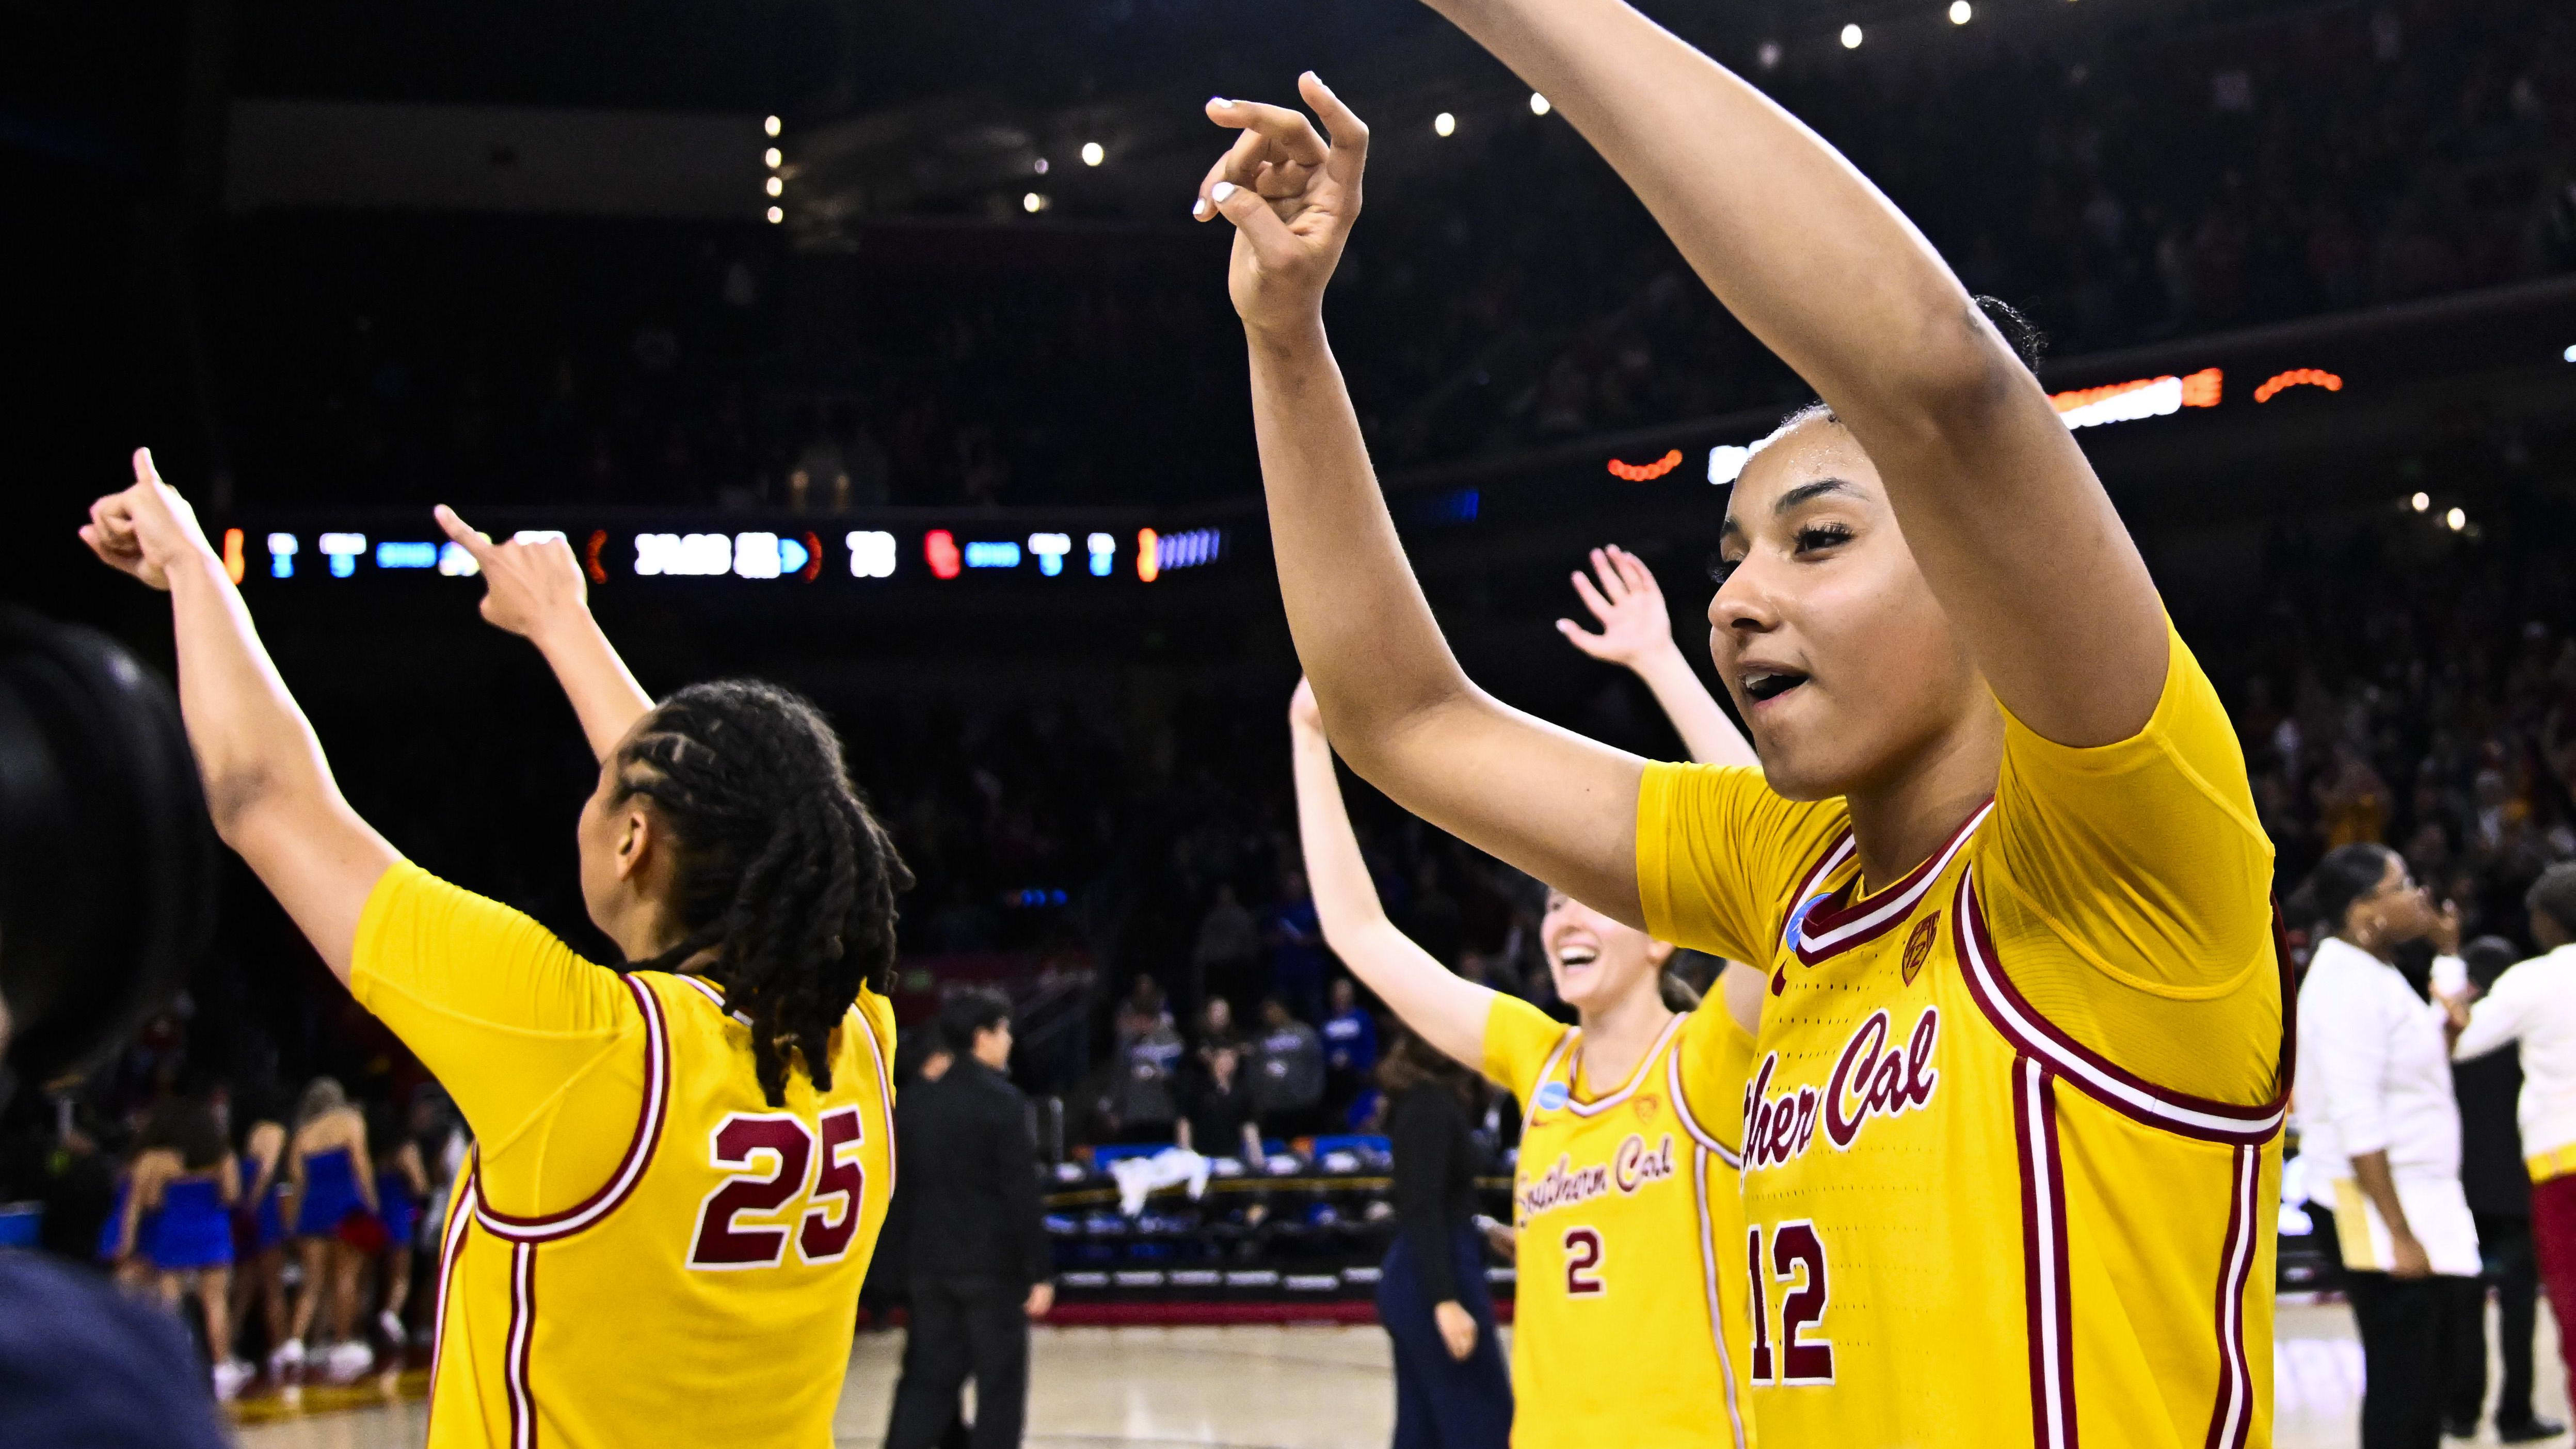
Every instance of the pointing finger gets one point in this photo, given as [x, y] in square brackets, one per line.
[466, 536]
[1350, 134]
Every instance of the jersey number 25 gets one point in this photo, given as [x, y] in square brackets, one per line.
[778, 1159]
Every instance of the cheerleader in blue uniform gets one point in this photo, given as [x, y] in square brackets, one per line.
[402, 1184]
[259, 1232]
[335, 1193]
[185, 1183]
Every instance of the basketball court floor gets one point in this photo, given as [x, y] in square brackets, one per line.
[1329, 1388]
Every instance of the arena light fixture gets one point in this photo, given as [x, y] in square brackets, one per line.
[2420, 502]
[775, 157]
[1034, 202]
[2456, 520]
[1769, 55]
[405, 554]
[1149, 555]
[1042, 166]
[2569, 354]
[777, 214]
[2148, 397]
[1104, 553]
[2279, 382]
[770, 125]
[455, 563]
[1961, 12]
[1444, 124]
[1851, 37]
[281, 555]
[1050, 549]
[777, 186]
[1646, 472]
[234, 565]
[1726, 462]
[1093, 153]
[1539, 105]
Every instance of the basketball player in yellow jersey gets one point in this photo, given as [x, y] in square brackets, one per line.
[679, 1171]
[2022, 1053]
[1629, 1317]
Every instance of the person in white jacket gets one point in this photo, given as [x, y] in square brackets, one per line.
[2381, 1133]
[2534, 1004]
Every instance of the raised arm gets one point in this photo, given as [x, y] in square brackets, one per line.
[267, 785]
[1400, 710]
[1440, 1006]
[536, 591]
[2013, 532]
[1637, 634]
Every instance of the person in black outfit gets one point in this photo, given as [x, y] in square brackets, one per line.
[980, 1266]
[1452, 1390]
[2499, 1193]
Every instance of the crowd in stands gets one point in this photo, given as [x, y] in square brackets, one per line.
[2175, 178]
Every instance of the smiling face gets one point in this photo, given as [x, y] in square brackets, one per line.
[1843, 664]
[1597, 961]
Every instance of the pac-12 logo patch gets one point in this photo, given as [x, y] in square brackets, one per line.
[1918, 947]
[1645, 1103]
[1552, 1095]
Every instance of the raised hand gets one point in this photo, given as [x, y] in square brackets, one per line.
[144, 529]
[530, 587]
[1292, 198]
[1630, 608]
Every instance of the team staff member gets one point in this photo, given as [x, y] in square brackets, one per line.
[2378, 1124]
[2001, 863]
[2534, 1004]
[681, 1170]
[981, 1268]
[1628, 1325]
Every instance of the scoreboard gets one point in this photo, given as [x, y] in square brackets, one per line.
[788, 553]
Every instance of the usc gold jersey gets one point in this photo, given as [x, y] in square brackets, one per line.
[1629, 1324]
[643, 1251]
[2011, 1136]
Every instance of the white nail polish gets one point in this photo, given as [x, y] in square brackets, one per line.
[1221, 191]
[1199, 208]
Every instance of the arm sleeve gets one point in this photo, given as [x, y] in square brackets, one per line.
[501, 1012]
[1518, 1037]
[1018, 1165]
[1717, 853]
[1421, 1135]
[2495, 1021]
[2351, 1053]
[2129, 888]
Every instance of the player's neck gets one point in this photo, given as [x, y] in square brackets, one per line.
[1905, 819]
[1618, 1036]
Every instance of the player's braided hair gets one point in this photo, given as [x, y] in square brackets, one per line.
[781, 869]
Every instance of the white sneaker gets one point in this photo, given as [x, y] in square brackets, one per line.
[347, 1361]
[392, 1326]
[230, 1376]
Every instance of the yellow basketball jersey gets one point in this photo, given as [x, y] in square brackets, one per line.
[1981, 1208]
[1629, 1321]
[706, 1293]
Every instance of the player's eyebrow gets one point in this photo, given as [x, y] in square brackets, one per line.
[1808, 492]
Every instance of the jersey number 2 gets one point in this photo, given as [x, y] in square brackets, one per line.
[778, 1160]
[1798, 1261]
[1582, 1263]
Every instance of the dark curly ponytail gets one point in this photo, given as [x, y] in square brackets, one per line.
[780, 868]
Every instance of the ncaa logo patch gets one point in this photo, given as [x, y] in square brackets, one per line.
[1798, 918]
[1553, 1095]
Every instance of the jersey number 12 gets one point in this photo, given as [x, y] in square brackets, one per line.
[1798, 1264]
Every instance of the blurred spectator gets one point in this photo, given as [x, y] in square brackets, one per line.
[1287, 1073]
[1298, 960]
[1142, 1101]
[1451, 1386]
[1226, 955]
[1350, 1049]
[1220, 1120]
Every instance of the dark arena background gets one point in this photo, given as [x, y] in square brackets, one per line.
[869, 349]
